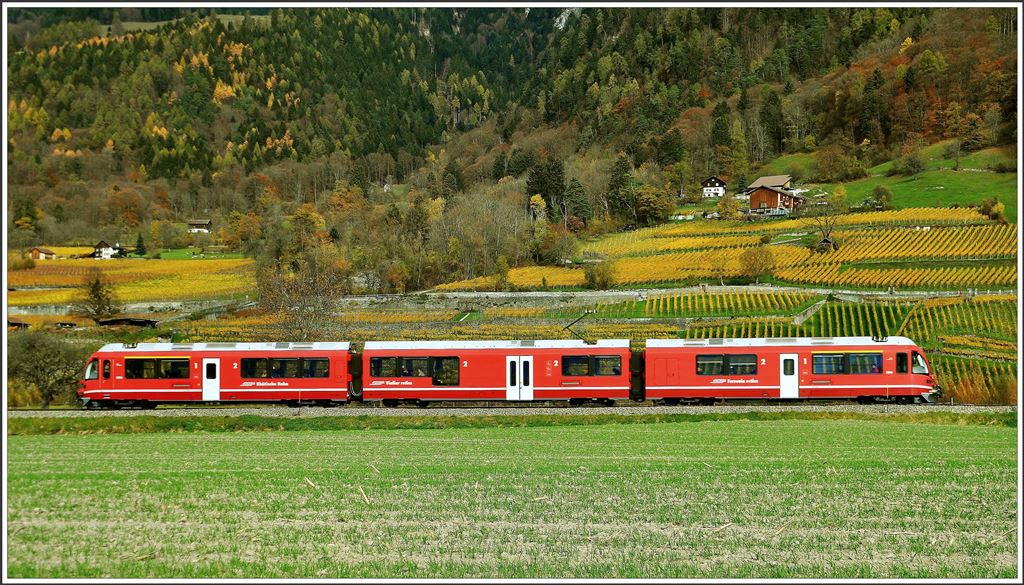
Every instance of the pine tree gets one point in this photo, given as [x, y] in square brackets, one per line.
[576, 202]
[721, 125]
[498, 168]
[140, 245]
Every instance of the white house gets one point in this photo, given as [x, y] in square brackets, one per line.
[713, 187]
[105, 251]
[200, 226]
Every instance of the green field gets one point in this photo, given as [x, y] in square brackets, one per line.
[937, 186]
[940, 189]
[186, 254]
[704, 498]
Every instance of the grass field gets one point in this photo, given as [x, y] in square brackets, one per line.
[731, 498]
[937, 186]
[940, 188]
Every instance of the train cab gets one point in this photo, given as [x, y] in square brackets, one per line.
[147, 374]
[862, 368]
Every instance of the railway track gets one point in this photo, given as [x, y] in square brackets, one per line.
[450, 409]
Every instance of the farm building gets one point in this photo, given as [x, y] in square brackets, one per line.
[42, 254]
[774, 201]
[777, 181]
[133, 321]
[105, 251]
[200, 226]
[713, 187]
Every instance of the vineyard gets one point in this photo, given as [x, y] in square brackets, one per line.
[134, 280]
[919, 248]
[693, 304]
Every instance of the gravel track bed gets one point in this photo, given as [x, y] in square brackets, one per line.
[311, 411]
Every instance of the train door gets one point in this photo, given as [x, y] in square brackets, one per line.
[789, 382]
[211, 378]
[519, 377]
[104, 377]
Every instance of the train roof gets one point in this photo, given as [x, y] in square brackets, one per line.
[777, 341]
[512, 344]
[262, 346]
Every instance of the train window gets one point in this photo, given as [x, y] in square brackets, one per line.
[575, 365]
[284, 368]
[743, 364]
[446, 371]
[829, 363]
[211, 371]
[416, 367]
[106, 369]
[901, 363]
[607, 365]
[150, 368]
[865, 363]
[512, 373]
[135, 368]
[384, 367]
[315, 368]
[255, 368]
[176, 369]
[920, 367]
[787, 367]
[92, 370]
[709, 365]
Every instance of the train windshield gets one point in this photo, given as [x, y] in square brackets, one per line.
[920, 367]
[92, 370]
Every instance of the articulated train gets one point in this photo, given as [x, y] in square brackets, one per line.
[668, 371]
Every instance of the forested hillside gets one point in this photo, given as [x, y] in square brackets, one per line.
[402, 148]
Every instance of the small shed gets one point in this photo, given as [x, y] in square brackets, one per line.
[16, 325]
[42, 254]
[133, 321]
[200, 226]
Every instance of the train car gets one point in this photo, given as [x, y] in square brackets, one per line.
[862, 368]
[422, 371]
[146, 374]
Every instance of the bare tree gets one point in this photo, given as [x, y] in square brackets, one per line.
[822, 217]
[306, 297]
[97, 299]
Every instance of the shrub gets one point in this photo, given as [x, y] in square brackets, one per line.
[908, 165]
[22, 262]
[599, 275]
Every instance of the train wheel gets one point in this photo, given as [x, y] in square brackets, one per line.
[422, 404]
[576, 401]
[390, 403]
[148, 404]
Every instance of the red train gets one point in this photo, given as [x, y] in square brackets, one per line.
[669, 371]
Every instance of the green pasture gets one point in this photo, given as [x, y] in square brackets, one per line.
[696, 498]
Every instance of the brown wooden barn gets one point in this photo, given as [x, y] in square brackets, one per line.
[42, 254]
[773, 200]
